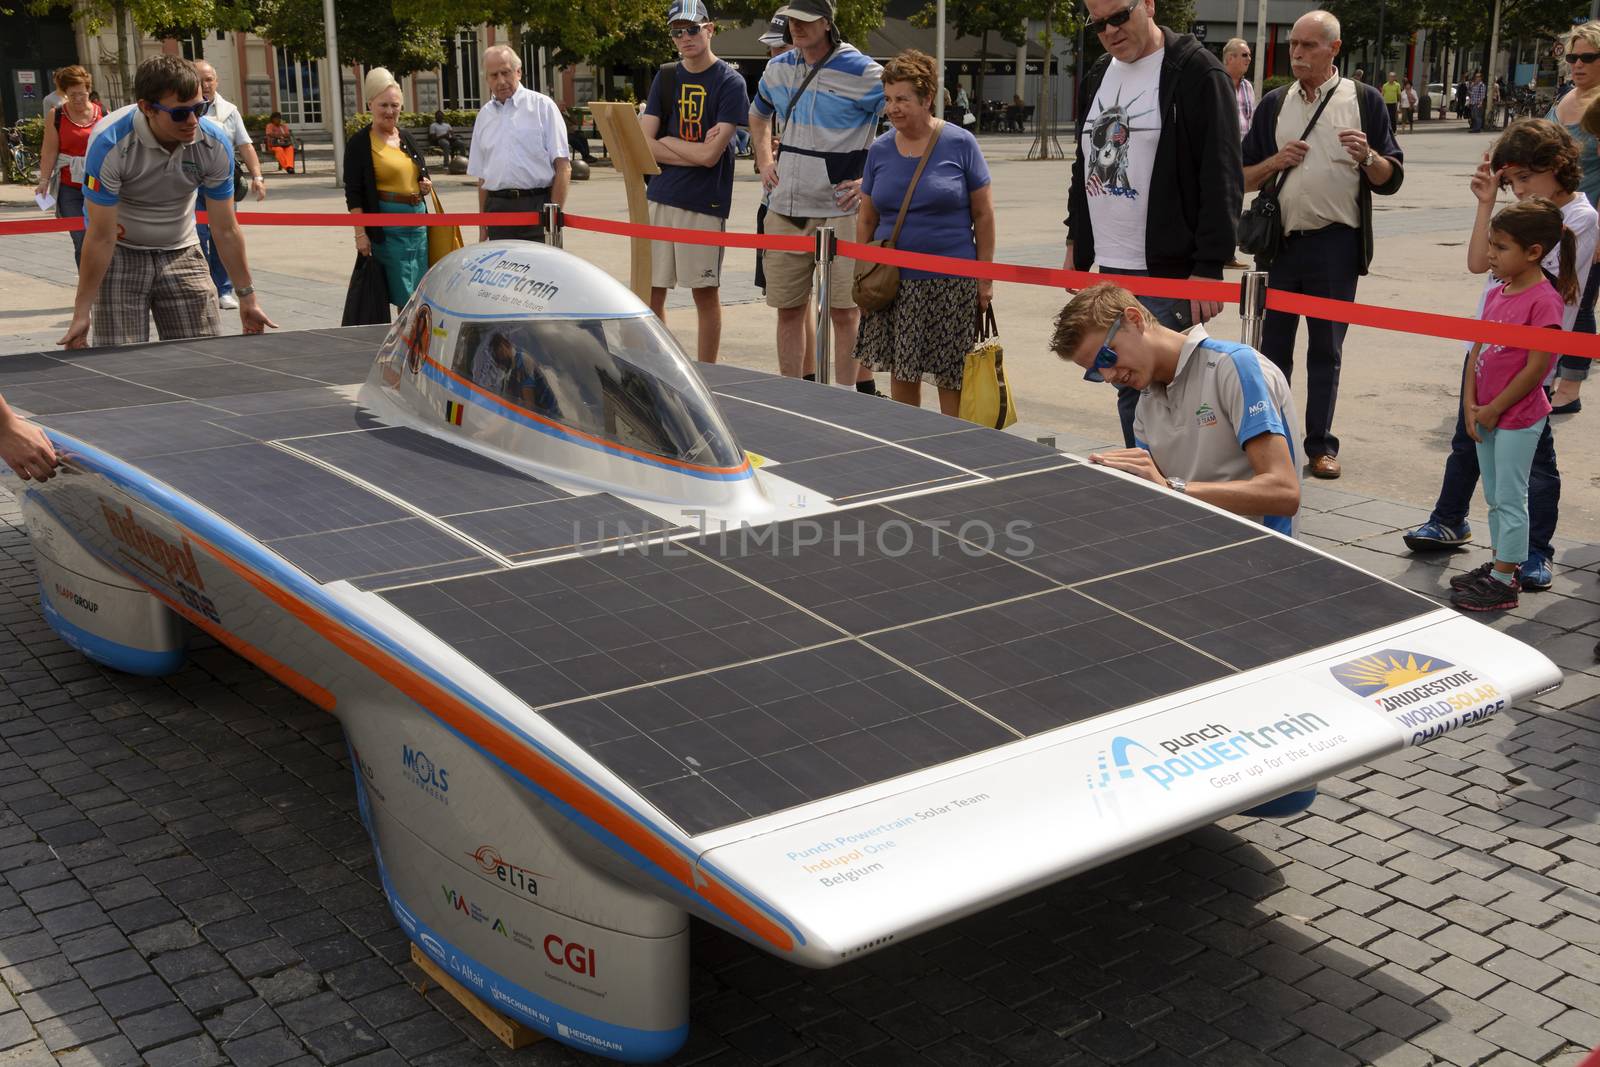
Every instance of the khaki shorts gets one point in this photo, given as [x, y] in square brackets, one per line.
[789, 274]
[691, 266]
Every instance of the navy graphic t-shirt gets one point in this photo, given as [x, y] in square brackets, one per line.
[715, 95]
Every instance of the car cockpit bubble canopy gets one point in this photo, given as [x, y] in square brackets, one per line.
[542, 359]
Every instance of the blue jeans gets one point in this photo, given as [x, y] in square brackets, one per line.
[69, 205]
[1461, 470]
[1506, 457]
[1173, 313]
[1576, 368]
[219, 273]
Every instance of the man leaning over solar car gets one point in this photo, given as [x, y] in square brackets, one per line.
[1215, 419]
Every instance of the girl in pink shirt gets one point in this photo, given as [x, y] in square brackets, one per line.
[1503, 406]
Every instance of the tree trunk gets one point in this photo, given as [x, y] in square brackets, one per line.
[983, 63]
[119, 11]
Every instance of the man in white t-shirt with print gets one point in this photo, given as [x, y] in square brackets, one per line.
[1157, 184]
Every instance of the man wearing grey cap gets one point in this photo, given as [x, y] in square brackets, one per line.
[826, 97]
[694, 107]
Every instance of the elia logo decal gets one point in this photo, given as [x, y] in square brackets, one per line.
[428, 777]
[492, 863]
[1425, 695]
[1218, 753]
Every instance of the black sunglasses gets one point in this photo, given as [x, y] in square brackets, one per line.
[181, 114]
[1583, 57]
[1099, 26]
[685, 31]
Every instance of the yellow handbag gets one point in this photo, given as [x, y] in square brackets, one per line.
[985, 393]
[442, 240]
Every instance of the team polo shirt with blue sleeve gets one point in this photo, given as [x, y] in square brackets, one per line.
[1223, 394]
[825, 140]
[153, 189]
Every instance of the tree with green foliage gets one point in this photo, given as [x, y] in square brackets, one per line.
[1006, 19]
[856, 19]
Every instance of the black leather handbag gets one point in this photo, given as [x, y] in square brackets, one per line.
[1261, 226]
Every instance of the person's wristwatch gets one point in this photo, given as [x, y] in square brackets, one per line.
[244, 290]
[1178, 485]
[1372, 157]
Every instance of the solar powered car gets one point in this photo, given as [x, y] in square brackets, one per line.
[617, 639]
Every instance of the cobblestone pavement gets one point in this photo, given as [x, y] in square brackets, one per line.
[184, 880]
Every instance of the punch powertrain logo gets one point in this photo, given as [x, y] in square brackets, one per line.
[1388, 669]
[493, 864]
[425, 774]
[1208, 752]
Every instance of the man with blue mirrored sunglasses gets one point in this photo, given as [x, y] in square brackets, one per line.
[145, 166]
[1215, 419]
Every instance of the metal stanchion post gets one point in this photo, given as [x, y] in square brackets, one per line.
[827, 247]
[552, 225]
[1252, 306]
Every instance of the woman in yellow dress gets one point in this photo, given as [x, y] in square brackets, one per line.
[384, 172]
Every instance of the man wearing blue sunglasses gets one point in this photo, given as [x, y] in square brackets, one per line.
[141, 255]
[1215, 419]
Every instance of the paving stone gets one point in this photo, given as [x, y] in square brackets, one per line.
[196, 1051]
[343, 1041]
[139, 995]
[1523, 1004]
[116, 1051]
[55, 1000]
[241, 1020]
[1577, 1026]
[117, 967]
[1454, 1045]
[81, 1027]
[15, 1029]
[187, 963]
[1381, 1050]
[265, 1049]
[37, 974]
[207, 992]
[159, 1027]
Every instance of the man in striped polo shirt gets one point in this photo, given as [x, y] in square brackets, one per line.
[824, 97]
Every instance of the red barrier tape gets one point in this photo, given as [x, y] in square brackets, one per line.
[1450, 327]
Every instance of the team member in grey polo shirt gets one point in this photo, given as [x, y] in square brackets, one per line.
[141, 255]
[1215, 418]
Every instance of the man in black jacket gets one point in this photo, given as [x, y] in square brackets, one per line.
[1326, 202]
[1157, 184]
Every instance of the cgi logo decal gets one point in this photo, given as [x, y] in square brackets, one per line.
[492, 863]
[570, 954]
[1208, 749]
[428, 777]
[1425, 695]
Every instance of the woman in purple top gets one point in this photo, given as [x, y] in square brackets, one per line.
[933, 323]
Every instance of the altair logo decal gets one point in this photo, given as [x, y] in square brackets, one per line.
[1387, 669]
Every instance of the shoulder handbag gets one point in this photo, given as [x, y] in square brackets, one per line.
[985, 392]
[1261, 226]
[877, 284]
[442, 240]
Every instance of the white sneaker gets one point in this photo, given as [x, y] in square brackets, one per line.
[227, 301]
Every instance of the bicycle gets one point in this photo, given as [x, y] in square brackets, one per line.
[22, 162]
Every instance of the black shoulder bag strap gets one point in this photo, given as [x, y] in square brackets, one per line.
[669, 93]
[788, 112]
[1327, 98]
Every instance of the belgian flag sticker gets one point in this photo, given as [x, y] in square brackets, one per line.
[453, 412]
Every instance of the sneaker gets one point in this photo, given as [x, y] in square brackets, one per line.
[1434, 536]
[1535, 574]
[1462, 581]
[1487, 594]
[227, 301]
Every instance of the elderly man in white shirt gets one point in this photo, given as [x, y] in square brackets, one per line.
[227, 116]
[519, 149]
